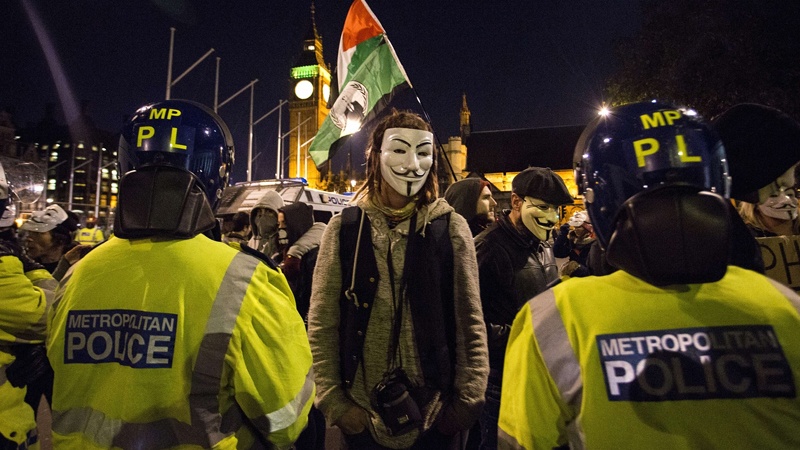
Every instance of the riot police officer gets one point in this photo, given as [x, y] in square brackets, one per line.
[163, 337]
[677, 349]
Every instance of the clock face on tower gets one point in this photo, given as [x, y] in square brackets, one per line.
[326, 92]
[303, 89]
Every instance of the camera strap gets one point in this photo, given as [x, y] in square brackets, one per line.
[394, 358]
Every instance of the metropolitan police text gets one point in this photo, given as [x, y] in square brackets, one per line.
[138, 339]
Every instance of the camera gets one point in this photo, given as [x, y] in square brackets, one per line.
[394, 404]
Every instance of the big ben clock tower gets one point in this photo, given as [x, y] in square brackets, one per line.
[310, 89]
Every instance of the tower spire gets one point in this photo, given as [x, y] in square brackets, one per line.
[466, 127]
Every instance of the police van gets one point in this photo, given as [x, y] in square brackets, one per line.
[243, 196]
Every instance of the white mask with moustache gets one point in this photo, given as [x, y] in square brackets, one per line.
[406, 159]
[539, 217]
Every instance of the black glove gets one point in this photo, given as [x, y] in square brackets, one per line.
[30, 364]
[290, 267]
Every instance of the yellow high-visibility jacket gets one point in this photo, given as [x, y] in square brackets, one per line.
[23, 309]
[614, 362]
[89, 236]
[176, 344]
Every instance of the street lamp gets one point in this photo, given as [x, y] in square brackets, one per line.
[72, 178]
[170, 81]
[298, 143]
[305, 165]
[250, 130]
[279, 109]
[99, 181]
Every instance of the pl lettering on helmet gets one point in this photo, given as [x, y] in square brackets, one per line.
[646, 147]
[145, 133]
[695, 364]
[137, 339]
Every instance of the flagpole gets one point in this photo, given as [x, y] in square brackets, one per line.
[435, 137]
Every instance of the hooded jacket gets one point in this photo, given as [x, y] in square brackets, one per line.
[471, 363]
[270, 200]
[463, 197]
[303, 236]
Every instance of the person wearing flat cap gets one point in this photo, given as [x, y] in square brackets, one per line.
[763, 149]
[515, 262]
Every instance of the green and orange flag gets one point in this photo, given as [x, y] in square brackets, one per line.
[369, 76]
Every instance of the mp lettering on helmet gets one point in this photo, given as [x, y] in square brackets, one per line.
[146, 132]
[650, 146]
[659, 119]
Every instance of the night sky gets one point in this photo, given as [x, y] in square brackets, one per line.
[521, 63]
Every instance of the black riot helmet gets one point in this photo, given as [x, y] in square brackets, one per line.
[655, 183]
[176, 157]
[181, 134]
[642, 146]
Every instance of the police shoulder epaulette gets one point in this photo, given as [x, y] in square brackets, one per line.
[257, 254]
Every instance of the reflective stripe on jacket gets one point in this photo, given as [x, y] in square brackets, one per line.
[166, 343]
[613, 362]
[23, 306]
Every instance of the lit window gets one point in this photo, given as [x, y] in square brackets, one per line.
[80, 145]
[310, 47]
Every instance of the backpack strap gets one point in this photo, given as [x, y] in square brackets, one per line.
[430, 290]
[359, 284]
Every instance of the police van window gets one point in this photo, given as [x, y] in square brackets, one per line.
[308, 196]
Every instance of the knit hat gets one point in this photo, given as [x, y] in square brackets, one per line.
[463, 196]
[52, 217]
[541, 183]
[761, 143]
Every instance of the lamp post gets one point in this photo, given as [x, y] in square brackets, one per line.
[170, 81]
[100, 168]
[73, 168]
[298, 141]
[279, 109]
[250, 130]
[305, 160]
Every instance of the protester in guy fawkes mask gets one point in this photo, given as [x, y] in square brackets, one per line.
[50, 235]
[264, 223]
[775, 214]
[516, 262]
[763, 149]
[574, 241]
[394, 285]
